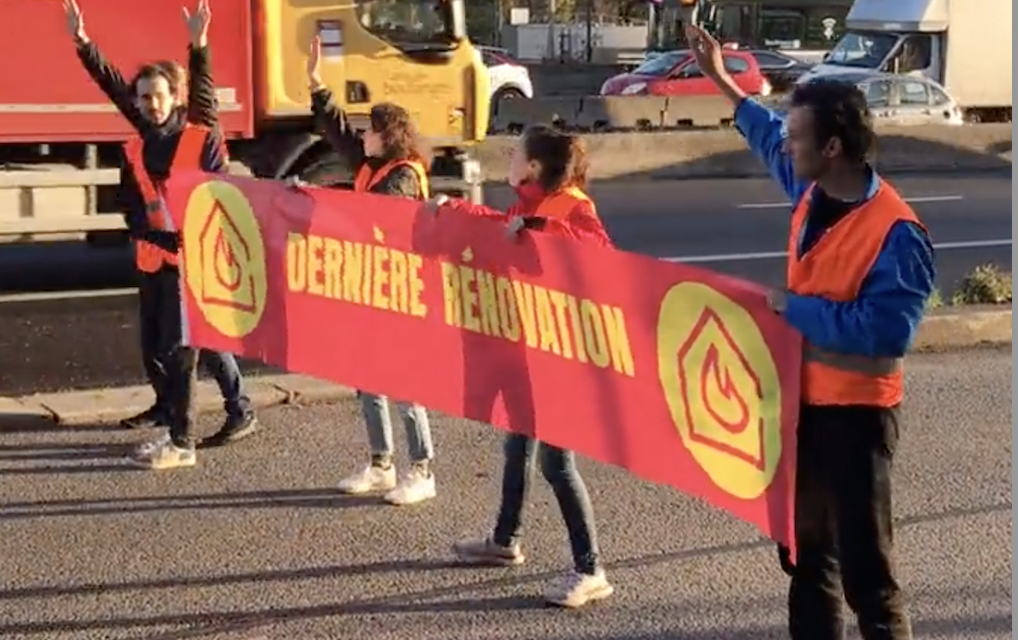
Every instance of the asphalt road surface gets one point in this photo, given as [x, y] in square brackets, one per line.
[734, 226]
[255, 544]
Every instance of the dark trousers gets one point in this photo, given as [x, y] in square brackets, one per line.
[222, 366]
[559, 468]
[171, 367]
[843, 525]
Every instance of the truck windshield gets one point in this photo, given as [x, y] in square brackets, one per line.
[413, 23]
[862, 50]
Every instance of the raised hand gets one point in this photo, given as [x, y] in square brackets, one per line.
[75, 21]
[315, 63]
[707, 51]
[198, 23]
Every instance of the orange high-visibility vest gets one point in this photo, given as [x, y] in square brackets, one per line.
[835, 268]
[148, 257]
[558, 205]
[366, 179]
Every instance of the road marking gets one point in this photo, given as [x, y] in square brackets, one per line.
[915, 200]
[47, 296]
[773, 255]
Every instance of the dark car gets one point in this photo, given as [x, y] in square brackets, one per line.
[781, 70]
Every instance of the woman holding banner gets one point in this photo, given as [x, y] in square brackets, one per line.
[388, 160]
[548, 169]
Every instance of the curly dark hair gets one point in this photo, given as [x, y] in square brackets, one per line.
[839, 111]
[563, 157]
[400, 140]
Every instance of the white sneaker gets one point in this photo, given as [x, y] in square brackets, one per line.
[574, 590]
[370, 479]
[484, 551]
[162, 455]
[146, 449]
[416, 486]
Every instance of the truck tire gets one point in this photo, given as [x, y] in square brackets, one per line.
[329, 170]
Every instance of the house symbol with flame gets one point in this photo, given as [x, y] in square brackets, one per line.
[227, 263]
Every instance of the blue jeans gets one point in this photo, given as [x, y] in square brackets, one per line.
[379, 423]
[223, 367]
[558, 467]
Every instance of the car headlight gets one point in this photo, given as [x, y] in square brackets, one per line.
[766, 88]
[635, 89]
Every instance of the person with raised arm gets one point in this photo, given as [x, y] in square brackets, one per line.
[160, 102]
[388, 159]
[860, 271]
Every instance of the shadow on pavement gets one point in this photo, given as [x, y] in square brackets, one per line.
[408, 603]
[50, 451]
[1001, 147]
[234, 622]
[206, 625]
[325, 498]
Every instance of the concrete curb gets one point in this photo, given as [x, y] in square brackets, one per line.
[943, 330]
[96, 407]
[950, 329]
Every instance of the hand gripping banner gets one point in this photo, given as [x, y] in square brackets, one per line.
[680, 375]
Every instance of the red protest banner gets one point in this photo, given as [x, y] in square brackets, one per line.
[680, 375]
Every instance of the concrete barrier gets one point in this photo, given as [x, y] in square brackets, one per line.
[621, 113]
[613, 113]
[571, 78]
[708, 153]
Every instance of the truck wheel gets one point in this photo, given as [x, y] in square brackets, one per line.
[505, 95]
[327, 171]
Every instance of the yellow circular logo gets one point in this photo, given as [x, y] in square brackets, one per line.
[225, 258]
[722, 388]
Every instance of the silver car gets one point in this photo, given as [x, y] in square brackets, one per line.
[903, 99]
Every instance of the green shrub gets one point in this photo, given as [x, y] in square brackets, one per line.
[986, 285]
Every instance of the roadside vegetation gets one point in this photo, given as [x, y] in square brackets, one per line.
[985, 285]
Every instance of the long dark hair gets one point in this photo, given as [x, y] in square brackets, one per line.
[400, 140]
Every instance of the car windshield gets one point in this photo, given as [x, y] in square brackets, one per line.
[660, 65]
[410, 21]
[862, 50]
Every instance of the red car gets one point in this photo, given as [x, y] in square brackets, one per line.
[675, 73]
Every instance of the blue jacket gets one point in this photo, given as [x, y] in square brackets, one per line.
[882, 321]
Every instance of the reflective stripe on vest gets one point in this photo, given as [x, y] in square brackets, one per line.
[148, 257]
[366, 179]
[857, 364]
[560, 204]
[834, 269]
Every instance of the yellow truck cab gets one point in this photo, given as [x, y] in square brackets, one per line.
[414, 53]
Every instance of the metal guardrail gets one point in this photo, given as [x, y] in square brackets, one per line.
[33, 179]
[602, 114]
[25, 181]
[59, 223]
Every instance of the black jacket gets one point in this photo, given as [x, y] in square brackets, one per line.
[160, 141]
[332, 122]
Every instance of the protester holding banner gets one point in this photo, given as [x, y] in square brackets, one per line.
[154, 104]
[860, 270]
[548, 169]
[388, 159]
